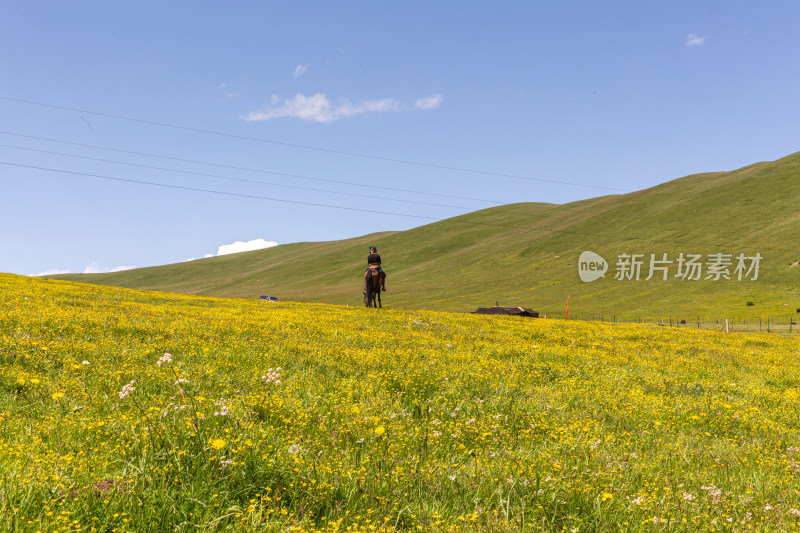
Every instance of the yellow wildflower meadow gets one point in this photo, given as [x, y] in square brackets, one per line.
[134, 411]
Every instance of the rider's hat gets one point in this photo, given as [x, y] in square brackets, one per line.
[373, 249]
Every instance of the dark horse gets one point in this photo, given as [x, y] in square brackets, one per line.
[372, 291]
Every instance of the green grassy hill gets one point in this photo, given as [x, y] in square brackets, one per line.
[527, 255]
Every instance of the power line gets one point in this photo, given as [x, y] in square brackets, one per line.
[612, 238]
[261, 171]
[232, 178]
[237, 168]
[224, 193]
[307, 147]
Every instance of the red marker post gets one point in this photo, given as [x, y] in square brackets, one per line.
[566, 315]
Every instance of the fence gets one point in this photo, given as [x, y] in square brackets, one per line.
[770, 324]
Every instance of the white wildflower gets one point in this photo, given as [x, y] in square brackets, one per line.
[224, 408]
[166, 358]
[272, 376]
[127, 390]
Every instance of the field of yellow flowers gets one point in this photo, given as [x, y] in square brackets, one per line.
[133, 411]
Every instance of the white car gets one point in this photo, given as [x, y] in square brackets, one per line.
[268, 298]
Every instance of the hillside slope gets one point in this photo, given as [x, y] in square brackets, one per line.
[527, 254]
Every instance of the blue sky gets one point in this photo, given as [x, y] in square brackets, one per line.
[330, 120]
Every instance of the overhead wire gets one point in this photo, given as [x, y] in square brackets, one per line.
[262, 171]
[613, 238]
[231, 178]
[198, 189]
[307, 147]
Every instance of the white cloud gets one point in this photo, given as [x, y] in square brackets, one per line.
[318, 108]
[52, 272]
[229, 91]
[92, 268]
[196, 258]
[249, 246]
[95, 268]
[694, 39]
[299, 71]
[430, 102]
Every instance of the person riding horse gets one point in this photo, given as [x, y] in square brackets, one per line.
[374, 265]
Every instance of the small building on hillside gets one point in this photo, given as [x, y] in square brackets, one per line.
[515, 311]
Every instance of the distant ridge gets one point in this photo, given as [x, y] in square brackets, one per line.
[527, 254]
